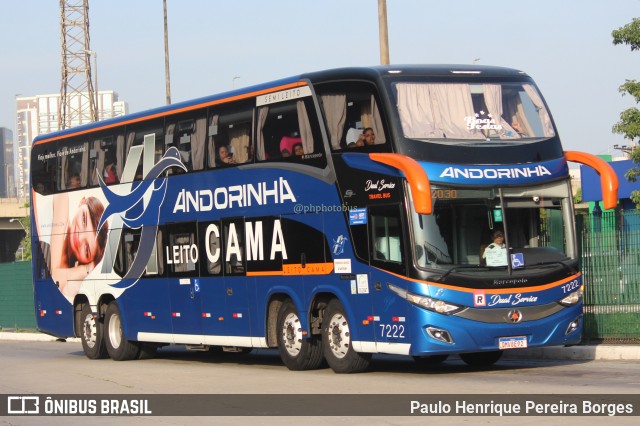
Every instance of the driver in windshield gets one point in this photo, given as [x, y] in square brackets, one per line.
[496, 254]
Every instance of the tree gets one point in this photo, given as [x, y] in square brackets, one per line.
[629, 124]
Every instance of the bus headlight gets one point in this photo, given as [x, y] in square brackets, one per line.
[429, 303]
[572, 298]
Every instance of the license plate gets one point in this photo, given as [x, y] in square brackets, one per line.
[512, 342]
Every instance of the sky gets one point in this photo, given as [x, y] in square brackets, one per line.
[214, 45]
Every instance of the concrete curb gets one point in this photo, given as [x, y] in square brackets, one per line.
[582, 353]
[585, 353]
[32, 337]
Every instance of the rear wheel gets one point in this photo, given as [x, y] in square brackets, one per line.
[481, 359]
[119, 348]
[296, 351]
[91, 334]
[337, 343]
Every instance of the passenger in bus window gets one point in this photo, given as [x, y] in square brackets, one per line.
[517, 126]
[110, 175]
[74, 181]
[224, 156]
[287, 143]
[75, 245]
[368, 136]
[298, 151]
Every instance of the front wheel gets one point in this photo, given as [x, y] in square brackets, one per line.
[119, 348]
[91, 334]
[337, 343]
[481, 359]
[296, 352]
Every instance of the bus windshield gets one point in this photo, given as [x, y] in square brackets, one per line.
[461, 112]
[466, 226]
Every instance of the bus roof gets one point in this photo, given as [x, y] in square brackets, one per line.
[371, 73]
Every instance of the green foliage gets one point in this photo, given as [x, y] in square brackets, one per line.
[26, 242]
[577, 198]
[629, 124]
[629, 34]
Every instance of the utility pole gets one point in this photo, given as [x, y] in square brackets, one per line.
[384, 36]
[166, 55]
[77, 96]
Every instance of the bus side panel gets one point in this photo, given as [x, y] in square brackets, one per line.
[146, 307]
[54, 313]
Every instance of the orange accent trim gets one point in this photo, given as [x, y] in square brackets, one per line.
[181, 110]
[416, 176]
[297, 269]
[608, 178]
[488, 290]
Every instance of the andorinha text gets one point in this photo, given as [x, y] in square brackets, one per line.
[246, 195]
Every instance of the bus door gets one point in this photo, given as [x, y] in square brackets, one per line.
[236, 296]
[387, 253]
[182, 258]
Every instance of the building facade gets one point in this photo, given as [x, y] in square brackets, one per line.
[40, 114]
[7, 179]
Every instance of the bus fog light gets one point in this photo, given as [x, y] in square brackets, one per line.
[439, 334]
[573, 326]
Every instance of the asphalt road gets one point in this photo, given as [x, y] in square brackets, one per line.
[61, 368]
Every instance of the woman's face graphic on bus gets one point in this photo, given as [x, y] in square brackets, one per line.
[82, 238]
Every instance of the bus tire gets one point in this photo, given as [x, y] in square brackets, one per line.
[481, 359]
[91, 334]
[337, 344]
[297, 352]
[119, 348]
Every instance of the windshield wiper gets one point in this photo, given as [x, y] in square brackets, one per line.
[570, 269]
[455, 268]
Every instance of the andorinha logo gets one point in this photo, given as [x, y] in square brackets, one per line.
[495, 173]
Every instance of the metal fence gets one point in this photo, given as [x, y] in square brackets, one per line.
[609, 245]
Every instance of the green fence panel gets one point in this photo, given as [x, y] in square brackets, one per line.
[610, 257]
[16, 296]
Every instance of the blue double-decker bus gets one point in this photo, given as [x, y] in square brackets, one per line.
[414, 210]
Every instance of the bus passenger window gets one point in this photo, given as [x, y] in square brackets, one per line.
[386, 231]
[181, 249]
[106, 159]
[211, 257]
[135, 137]
[352, 115]
[74, 165]
[188, 136]
[229, 136]
[234, 261]
[286, 129]
[44, 168]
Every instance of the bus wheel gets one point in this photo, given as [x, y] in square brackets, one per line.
[91, 334]
[336, 340]
[296, 352]
[481, 359]
[119, 348]
[426, 361]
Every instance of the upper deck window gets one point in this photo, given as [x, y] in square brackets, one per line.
[508, 111]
